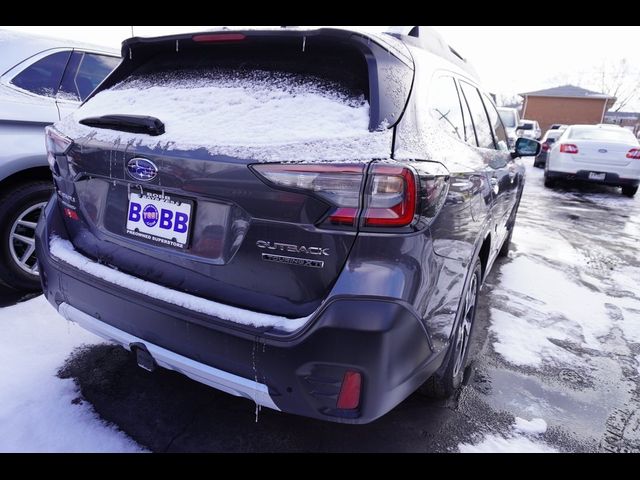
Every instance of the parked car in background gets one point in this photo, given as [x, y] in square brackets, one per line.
[547, 142]
[605, 154]
[287, 243]
[41, 80]
[558, 126]
[511, 119]
[529, 129]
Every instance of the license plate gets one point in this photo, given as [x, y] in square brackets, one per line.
[597, 176]
[159, 218]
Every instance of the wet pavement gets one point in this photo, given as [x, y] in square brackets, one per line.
[558, 336]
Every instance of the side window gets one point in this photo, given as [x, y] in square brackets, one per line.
[44, 76]
[470, 134]
[498, 128]
[444, 106]
[479, 116]
[84, 74]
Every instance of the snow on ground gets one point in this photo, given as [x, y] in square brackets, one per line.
[37, 413]
[566, 286]
[523, 439]
[227, 114]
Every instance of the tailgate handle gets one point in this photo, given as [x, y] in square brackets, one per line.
[127, 123]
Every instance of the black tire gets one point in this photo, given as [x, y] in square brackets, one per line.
[13, 205]
[445, 382]
[549, 182]
[629, 191]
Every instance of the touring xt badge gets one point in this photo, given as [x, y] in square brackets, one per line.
[288, 248]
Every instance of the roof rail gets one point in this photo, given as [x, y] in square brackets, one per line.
[429, 39]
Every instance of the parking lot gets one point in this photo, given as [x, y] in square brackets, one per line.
[559, 368]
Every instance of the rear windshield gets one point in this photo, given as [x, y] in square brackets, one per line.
[317, 111]
[606, 134]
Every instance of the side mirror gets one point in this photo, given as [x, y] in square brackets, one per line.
[526, 147]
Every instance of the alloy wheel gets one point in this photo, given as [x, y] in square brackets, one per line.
[22, 239]
[464, 332]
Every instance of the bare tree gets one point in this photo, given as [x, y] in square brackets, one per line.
[618, 79]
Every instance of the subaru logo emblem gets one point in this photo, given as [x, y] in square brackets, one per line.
[142, 169]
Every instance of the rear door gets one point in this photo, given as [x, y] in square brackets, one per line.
[499, 165]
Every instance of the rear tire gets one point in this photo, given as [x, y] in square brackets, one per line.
[20, 210]
[629, 191]
[447, 380]
[549, 182]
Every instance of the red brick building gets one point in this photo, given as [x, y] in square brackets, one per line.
[568, 104]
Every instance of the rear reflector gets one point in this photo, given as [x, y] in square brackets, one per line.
[349, 398]
[72, 214]
[634, 153]
[568, 148]
[219, 37]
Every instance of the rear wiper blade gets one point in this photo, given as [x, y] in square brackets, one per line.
[127, 123]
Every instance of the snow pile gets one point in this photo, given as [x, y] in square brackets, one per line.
[519, 441]
[63, 250]
[256, 115]
[36, 409]
[535, 426]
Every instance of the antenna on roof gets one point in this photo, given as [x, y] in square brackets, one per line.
[132, 35]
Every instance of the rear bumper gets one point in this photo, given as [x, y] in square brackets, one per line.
[612, 179]
[564, 165]
[233, 384]
[299, 372]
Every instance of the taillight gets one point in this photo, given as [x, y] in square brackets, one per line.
[634, 153]
[56, 144]
[219, 37]
[390, 197]
[545, 147]
[338, 184]
[568, 148]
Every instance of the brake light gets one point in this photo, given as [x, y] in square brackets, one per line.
[545, 147]
[338, 184]
[219, 37]
[634, 153]
[391, 197]
[349, 398]
[568, 148]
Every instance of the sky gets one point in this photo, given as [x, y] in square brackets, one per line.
[509, 59]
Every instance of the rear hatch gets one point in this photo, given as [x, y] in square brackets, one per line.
[182, 168]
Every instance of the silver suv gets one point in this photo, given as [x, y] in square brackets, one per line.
[41, 81]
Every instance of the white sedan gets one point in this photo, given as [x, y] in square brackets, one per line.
[605, 154]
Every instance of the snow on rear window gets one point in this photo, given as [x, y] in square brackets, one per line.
[260, 115]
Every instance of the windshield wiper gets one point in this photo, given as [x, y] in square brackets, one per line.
[127, 123]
